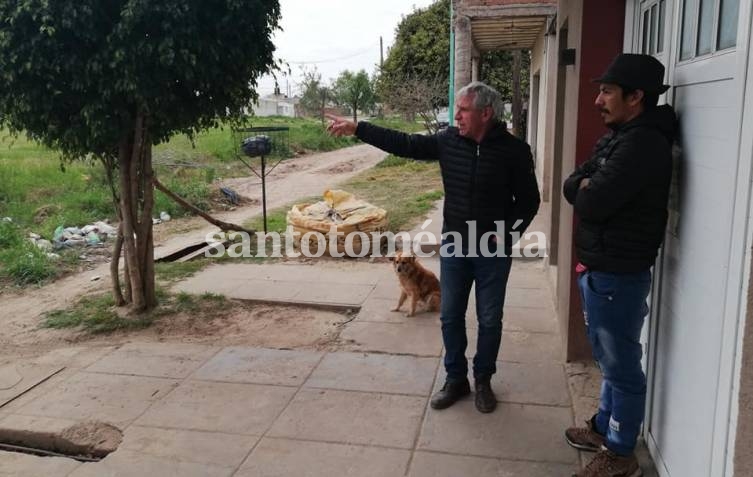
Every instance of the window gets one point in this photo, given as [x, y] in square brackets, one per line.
[652, 27]
[708, 26]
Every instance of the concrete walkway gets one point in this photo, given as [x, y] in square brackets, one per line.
[358, 410]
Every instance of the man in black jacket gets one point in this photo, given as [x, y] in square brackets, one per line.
[620, 197]
[490, 186]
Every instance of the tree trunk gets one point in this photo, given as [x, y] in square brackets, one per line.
[517, 97]
[136, 204]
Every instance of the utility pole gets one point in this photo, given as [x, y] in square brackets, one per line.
[381, 54]
[517, 97]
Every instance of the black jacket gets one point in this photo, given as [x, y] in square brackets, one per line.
[485, 182]
[623, 209]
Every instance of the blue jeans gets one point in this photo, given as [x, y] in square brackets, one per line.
[614, 307]
[457, 277]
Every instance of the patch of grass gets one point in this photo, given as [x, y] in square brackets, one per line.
[406, 189]
[174, 271]
[97, 314]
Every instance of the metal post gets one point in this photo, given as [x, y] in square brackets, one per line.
[264, 191]
[451, 107]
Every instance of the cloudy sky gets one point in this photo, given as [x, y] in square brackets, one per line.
[334, 35]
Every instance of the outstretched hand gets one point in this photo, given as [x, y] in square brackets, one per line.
[340, 126]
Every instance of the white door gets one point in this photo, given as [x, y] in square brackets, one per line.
[697, 280]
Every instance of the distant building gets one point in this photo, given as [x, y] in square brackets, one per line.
[276, 105]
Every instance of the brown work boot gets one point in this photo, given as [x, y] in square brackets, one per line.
[585, 438]
[608, 464]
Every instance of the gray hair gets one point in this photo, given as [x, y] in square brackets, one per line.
[483, 96]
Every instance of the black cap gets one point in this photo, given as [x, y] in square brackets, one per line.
[636, 72]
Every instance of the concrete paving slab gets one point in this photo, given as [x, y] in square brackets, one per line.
[41, 389]
[539, 320]
[521, 346]
[18, 422]
[340, 272]
[213, 448]
[351, 417]
[123, 463]
[24, 465]
[379, 310]
[285, 458]
[116, 399]
[375, 373]
[161, 360]
[525, 277]
[512, 431]
[259, 366]
[17, 378]
[247, 409]
[524, 347]
[529, 298]
[77, 357]
[326, 292]
[524, 383]
[432, 464]
[407, 338]
[387, 288]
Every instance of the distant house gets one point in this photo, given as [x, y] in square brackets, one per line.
[276, 105]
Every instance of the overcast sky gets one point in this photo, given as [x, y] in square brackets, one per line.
[335, 35]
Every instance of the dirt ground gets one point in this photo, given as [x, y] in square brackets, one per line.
[252, 325]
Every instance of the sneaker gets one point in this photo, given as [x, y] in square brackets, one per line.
[585, 438]
[608, 464]
[485, 400]
[450, 393]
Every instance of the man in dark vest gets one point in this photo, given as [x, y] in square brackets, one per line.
[620, 198]
[489, 186]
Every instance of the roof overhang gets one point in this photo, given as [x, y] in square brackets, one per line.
[508, 27]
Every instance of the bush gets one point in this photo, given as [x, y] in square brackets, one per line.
[26, 264]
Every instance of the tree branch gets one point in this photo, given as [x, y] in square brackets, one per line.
[222, 225]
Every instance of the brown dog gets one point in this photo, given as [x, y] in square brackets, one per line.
[416, 282]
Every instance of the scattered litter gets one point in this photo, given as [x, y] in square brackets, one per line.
[95, 278]
[164, 216]
[34, 236]
[7, 219]
[92, 238]
[44, 245]
[156, 221]
[53, 256]
[230, 195]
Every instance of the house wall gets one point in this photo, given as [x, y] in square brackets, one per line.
[595, 31]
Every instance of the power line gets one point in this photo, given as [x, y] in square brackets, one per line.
[330, 60]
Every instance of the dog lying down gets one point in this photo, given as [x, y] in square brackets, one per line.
[416, 282]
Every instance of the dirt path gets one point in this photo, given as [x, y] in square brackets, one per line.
[294, 179]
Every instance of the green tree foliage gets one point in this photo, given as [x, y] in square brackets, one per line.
[420, 50]
[112, 78]
[420, 54]
[315, 94]
[496, 71]
[354, 90]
